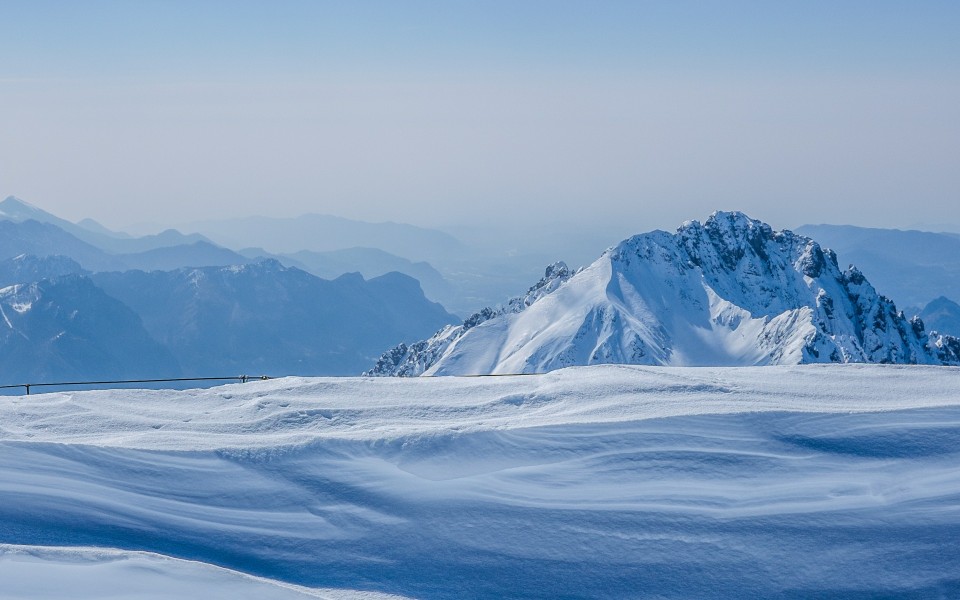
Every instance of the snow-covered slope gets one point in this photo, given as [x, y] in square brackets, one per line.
[827, 481]
[730, 291]
[46, 573]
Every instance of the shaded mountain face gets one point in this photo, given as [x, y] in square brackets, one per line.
[68, 329]
[911, 267]
[730, 291]
[943, 316]
[28, 269]
[272, 320]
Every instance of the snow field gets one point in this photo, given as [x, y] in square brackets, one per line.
[49, 573]
[607, 481]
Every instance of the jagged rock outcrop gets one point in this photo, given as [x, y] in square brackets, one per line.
[413, 360]
[729, 291]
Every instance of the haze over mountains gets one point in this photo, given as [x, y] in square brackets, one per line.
[331, 246]
[320, 233]
[73, 310]
[464, 277]
[16, 210]
[728, 292]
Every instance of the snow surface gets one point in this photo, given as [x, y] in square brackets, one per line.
[604, 481]
[49, 573]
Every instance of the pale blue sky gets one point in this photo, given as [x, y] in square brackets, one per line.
[641, 114]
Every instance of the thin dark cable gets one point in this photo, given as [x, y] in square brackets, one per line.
[240, 378]
[477, 375]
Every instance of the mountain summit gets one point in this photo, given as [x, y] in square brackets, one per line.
[729, 291]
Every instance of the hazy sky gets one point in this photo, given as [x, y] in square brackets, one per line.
[617, 115]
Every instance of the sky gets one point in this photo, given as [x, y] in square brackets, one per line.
[610, 116]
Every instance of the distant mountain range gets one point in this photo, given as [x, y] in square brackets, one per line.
[461, 278]
[73, 309]
[730, 291]
[18, 211]
[258, 318]
[44, 239]
[26, 229]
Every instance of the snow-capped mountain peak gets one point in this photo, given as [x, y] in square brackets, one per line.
[728, 291]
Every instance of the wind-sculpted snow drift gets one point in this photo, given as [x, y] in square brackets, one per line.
[731, 291]
[594, 482]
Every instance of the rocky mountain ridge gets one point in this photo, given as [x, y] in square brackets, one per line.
[730, 291]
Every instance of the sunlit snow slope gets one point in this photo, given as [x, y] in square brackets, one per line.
[731, 291]
[605, 481]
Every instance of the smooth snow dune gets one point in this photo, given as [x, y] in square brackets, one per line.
[51, 573]
[820, 481]
[296, 411]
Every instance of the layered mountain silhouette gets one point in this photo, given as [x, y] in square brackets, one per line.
[177, 304]
[27, 229]
[729, 291]
[89, 231]
[44, 239]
